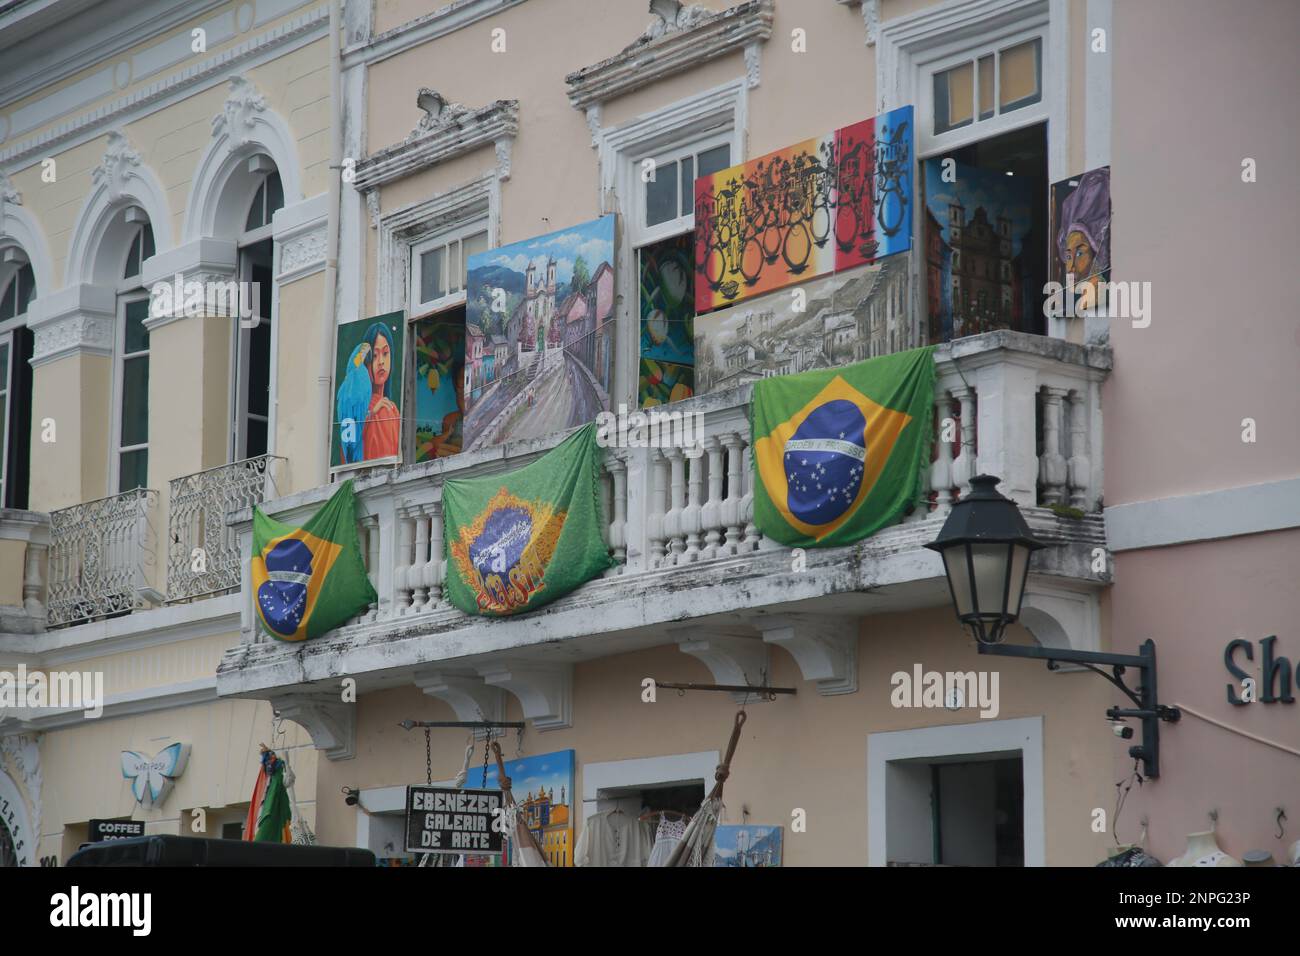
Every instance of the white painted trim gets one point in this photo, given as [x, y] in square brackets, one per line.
[452, 17]
[1097, 88]
[19, 227]
[132, 703]
[1204, 515]
[645, 771]
[1024, 734]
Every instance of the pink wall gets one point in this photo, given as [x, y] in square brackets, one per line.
[1192, 600]
[1198, 86]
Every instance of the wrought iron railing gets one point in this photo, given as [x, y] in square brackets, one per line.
[99, 555]
[203, 555]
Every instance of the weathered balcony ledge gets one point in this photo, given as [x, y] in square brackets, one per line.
[692, 567]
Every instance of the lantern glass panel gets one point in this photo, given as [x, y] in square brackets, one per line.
[1019, 566]
[989, 563]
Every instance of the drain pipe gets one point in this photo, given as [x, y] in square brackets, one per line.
[326, 371]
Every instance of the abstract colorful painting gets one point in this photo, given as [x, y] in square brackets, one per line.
[368, 392]
[1080, 247]
[438, 385]
[668, 301]
[539, 334]
[977, 268]
[664, 382]
[822, 205]
[747, 846]
[845, 317]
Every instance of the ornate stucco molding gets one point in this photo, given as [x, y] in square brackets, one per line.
[22, 753]
[679, 39]
[8, 197]
[870, 17]
[446, 131]
[237, 118]
[76, 319]
[117, 167]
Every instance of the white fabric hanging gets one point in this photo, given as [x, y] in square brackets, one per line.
[613, 838]
[667, 836]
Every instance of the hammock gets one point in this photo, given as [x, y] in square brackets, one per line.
[696, 848]
[524, 848]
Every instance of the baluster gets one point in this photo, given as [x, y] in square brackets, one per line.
[658, 507]
[752, 538]
[731, 506]
[370, 525]
[420, 563]
[941, 470]
[405, 566]
[963, 466]
[1080, 463]
[1052, 465]
[434, 570]
[673, 518]
[691, 524]
[711, 514]
[618, 527]
[32, 602]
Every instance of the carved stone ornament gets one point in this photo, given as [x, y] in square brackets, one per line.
[235, 120]
[439, 113]
[116, 167]
[8, 196]
[671, 16]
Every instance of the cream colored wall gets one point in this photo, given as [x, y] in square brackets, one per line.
[12, 555]
[805, 751]
[180, 662]
[82, 770]
[297, 426]
[72, 391]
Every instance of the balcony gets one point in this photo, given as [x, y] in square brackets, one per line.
[692, 567]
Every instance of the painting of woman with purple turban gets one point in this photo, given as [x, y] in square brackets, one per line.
[1081, 235]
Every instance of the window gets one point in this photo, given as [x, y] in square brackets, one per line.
[666, 199]
[19, 291]
[251, 392]
[15, 387]
[439, 267]
[140, 249]
[1008, 79]
[131, 447]
[268, 198]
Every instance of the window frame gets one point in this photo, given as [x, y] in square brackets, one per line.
[8, 342]
[642, 234]
[443, 237]
[116, 449]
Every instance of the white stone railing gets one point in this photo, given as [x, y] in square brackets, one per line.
[203, 555]
[100, 556]
[1022, 407]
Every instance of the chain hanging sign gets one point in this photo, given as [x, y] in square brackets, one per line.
[447, 820]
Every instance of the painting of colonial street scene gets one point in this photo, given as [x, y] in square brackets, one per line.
[539, 334]
[845, 317]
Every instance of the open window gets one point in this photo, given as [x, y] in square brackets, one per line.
[16, 292]
[131, 365]
[251, 393]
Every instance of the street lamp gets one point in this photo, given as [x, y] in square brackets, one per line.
[985, 544]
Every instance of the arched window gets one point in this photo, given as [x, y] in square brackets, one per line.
[16, 293]
[131, 435]
[252, 385]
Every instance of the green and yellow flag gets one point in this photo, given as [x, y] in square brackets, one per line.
[838, 452]
[309, 580]
[521, 540]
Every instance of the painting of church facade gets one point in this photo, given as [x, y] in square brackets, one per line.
[835, 320]
[539, 334]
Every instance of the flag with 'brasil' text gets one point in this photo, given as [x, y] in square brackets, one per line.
[838, 452]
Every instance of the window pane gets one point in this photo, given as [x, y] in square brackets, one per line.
[454, 270]
[986, 86]
[661, 195]
[147, 242]
[256, 438]
[274, 195]
[255, 217]
[954, 97]
[259, 369]
[135, 401]
[431, 274]
[4, 369]
[137, 336]
[134, 469]
[132, 259]
[473, 246]
[1018, 76]
[714, 160]
[688, 185]
[8, 302]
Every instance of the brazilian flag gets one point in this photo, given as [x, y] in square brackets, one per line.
[838, 452]
[309, 580]
[520, 540]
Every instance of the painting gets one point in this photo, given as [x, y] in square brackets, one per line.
[977, 228]
[823, 205]
[542, 786]
[539, 334]
[438, 384]
[747, 846]
[664, 382]
[834, 320]
[367, 427]
[1080, 247]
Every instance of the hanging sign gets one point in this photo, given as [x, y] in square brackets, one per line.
[448, 820]
[102, 830]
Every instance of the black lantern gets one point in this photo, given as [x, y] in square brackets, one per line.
[986, 546]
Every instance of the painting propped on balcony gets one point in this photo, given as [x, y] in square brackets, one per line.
[823, 205]
[539, 334]
[1081, 238]
[831, 321]
[438, 384]
[367, 427]
[667, 320]
[977, 268]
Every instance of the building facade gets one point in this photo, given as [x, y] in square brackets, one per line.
[352, 157]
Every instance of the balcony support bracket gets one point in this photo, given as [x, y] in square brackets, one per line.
[331, 723]
[544, 691]
[824, 647]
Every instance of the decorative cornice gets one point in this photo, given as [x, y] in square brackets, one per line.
[451, 131]
[182, 83]
[73, 319]
[236, 117]
[675, 49]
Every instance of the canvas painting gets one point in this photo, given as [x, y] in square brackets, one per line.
[539, 334]
[368, 366]
[823, 205]
[542, 786]
[835, 320]
[747, 846]
[668, 301]
[438, 385]
[977, 262]
[1080, 248]
[664, 382]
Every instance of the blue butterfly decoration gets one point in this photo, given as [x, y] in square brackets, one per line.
[152, 777]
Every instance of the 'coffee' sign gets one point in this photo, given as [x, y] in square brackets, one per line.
[101, 830]
[446, 820]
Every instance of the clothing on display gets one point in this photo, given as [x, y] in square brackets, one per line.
[668, 834]
[1203, 850]
[614, 838]
[1131, 856]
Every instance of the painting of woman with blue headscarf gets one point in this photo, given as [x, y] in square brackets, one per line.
[368, 388]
